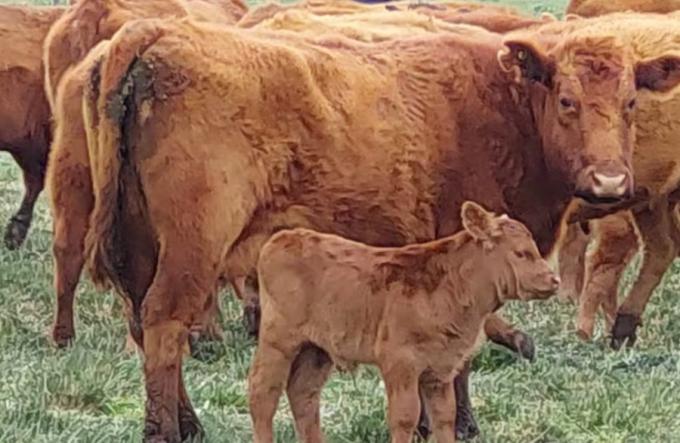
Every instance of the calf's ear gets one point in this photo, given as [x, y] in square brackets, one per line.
[527, 60]
[660, 74]
[478, 221]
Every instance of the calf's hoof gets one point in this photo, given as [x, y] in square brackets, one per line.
[62, 336]
[524, 345]
[251, 320]
[466, 426]
[15, 233]
[624, 330]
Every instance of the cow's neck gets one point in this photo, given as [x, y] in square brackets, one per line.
[501, 143]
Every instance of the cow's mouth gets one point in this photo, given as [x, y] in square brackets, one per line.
[598, 200]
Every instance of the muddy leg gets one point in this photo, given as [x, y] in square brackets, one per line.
[33, 168]
[616, 245]
[504, 334]
[660, 239]
[440, 402]
[572, 255]
[401, 385]
[311, 369]
[268, 374]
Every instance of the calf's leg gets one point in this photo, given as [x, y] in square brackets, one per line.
[572, 257]
[403, 403]
[309, 373]
[660, 237]
[616, 244]
[268, 374]
[32, 162]
[440, 402]
[466, 426]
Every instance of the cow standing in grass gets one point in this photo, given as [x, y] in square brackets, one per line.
[652, 222]
[69, 42]
[24, 111]
[201, 155]
[416, 312]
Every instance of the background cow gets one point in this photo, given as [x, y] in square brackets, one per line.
[24, 112]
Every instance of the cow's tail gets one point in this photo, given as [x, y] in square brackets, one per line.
[119, 83]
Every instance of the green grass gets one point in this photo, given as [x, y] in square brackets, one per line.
[93, 392]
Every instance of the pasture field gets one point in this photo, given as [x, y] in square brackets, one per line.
[573, 393]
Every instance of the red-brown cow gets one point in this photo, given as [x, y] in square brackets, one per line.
[24, 112]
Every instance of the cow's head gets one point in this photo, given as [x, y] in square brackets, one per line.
[583, 98]
[510, 254]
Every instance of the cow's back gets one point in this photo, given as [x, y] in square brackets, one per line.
[591, 8]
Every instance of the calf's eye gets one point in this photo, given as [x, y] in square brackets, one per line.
[631, 104]
[566, 103]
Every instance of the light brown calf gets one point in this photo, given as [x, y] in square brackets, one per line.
[655, 161]
[416, 312]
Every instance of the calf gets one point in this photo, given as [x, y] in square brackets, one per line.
[416, 312]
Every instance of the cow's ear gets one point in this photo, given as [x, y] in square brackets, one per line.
[527, 60]
[660, 74]
[478, 221]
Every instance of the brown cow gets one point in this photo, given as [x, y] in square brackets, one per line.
[71, 38]
[492, 17]
[204, 154]
[656, 167]
[592, 8]
[416, 312]
[24, 112]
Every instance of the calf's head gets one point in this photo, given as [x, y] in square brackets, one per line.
[510, 254]
[583, 92]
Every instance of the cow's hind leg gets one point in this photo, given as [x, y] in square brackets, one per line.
[311, 369]
[660, 237]
[71, 202]
[32, 163]
[616, 244]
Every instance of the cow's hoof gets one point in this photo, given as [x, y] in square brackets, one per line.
[624, 330]
[15, 234]
[190, 428]
[524, 345]
[584, 335]
[251, 320]
[466, 426]
[152, 434]
[62, 337]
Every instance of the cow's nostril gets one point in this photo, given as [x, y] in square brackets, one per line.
[609, 185]
[556, 281]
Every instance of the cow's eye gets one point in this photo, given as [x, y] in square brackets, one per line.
[567, 103]
[631, 104]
